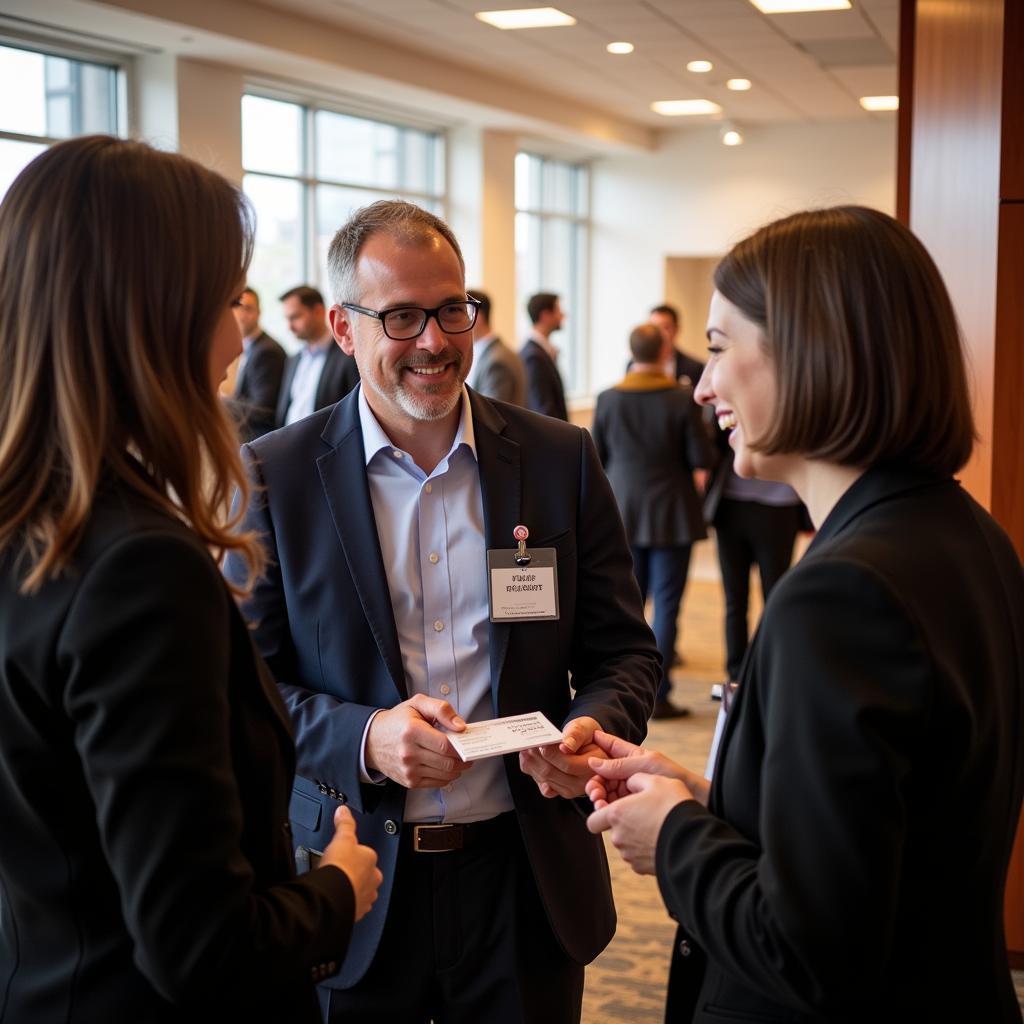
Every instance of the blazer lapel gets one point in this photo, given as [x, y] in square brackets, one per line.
[500, 488]
[347, 491]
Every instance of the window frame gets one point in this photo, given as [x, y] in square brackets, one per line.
[578, 382]
[310, 106]
[120, 64]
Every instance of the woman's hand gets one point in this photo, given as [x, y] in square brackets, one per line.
[623, 760]
[357, 861]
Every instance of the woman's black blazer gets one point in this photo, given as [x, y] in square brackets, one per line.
[146, 862]
[852, 861]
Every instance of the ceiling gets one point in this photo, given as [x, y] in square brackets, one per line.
[804, 67]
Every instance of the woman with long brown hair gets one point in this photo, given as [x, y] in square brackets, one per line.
[145, 761]
[848, 859]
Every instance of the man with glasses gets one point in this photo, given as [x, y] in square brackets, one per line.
[260, 368]
[379, 515]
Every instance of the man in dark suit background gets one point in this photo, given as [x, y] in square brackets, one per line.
[545, 392]
[497, 371]
[319, 374]
[650, 439]
[676, 362]
[260, 368]
[374, 616]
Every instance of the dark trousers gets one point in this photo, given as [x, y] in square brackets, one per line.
[466, 941]
[663, 571]
[749, 533]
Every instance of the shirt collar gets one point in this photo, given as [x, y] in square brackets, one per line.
[320, 346]
[375, 440]
[545, 343]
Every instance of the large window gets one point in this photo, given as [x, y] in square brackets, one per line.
[552, 243]
[45, 97]
[306, 169]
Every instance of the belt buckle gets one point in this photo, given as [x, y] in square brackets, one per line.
[421, 832]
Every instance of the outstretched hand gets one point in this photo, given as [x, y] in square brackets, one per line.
[620, 760]
[562, 769]
[407, 745]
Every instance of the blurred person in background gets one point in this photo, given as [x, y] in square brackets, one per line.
[260, 368]
[319, 373]
[497, 371]
[650, 439]
[545, 392]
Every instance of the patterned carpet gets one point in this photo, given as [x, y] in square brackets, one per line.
[626, 985]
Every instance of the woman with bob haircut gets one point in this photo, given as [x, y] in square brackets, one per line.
[145, 760]
[847, 861]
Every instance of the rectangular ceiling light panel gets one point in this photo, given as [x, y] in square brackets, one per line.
[685, 108]
[799, 6]
[529, 17]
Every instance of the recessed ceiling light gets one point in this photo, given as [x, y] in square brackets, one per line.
[700, 66]
[738, 84]
[880, 102]
[619, 47]
[527, 17]
[795, 6]
[731, 135]
[685, 108]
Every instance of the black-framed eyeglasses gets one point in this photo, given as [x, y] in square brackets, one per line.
[403, 323]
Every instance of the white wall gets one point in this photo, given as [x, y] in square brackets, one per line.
[696, 197]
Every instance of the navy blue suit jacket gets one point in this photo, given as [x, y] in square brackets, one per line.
[324, 622]
[545, 392]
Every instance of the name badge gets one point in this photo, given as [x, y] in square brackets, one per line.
[523, 593]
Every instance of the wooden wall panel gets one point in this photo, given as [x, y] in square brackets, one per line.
[954, 190]
[1008, 473]
[966, 202]
[1012, 185]
[1008, 405]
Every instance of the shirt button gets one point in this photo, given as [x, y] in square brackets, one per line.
[449, 788]
[445, 689]
[390, 827]
[438, 625]
[428, 488]
[434, 557]
[684, 948]
[397, 454]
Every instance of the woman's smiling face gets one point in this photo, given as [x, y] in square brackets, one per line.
[739, 382]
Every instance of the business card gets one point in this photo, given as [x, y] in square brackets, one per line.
[504, 736]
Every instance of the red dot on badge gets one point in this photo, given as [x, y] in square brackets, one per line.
[520, 533]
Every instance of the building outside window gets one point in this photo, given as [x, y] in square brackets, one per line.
[46, 97]
[307, 168]
[552, 247]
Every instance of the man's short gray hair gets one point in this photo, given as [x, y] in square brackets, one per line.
[408, 223]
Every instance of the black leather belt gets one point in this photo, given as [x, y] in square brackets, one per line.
[446, 838]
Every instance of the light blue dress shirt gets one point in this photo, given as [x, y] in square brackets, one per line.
[307, 379]
[431, 530]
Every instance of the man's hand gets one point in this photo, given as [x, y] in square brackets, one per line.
[634, 821]
[404, 744]
[620, 760]
[358, 862]
[562, 769]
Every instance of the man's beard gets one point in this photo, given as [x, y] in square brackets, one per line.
[430, 407]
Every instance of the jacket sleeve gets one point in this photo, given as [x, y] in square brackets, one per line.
[145, 654]
[330, 730]
[807, 916]
[615, 667]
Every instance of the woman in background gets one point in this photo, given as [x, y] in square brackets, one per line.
[145, 761]
[848, 860]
